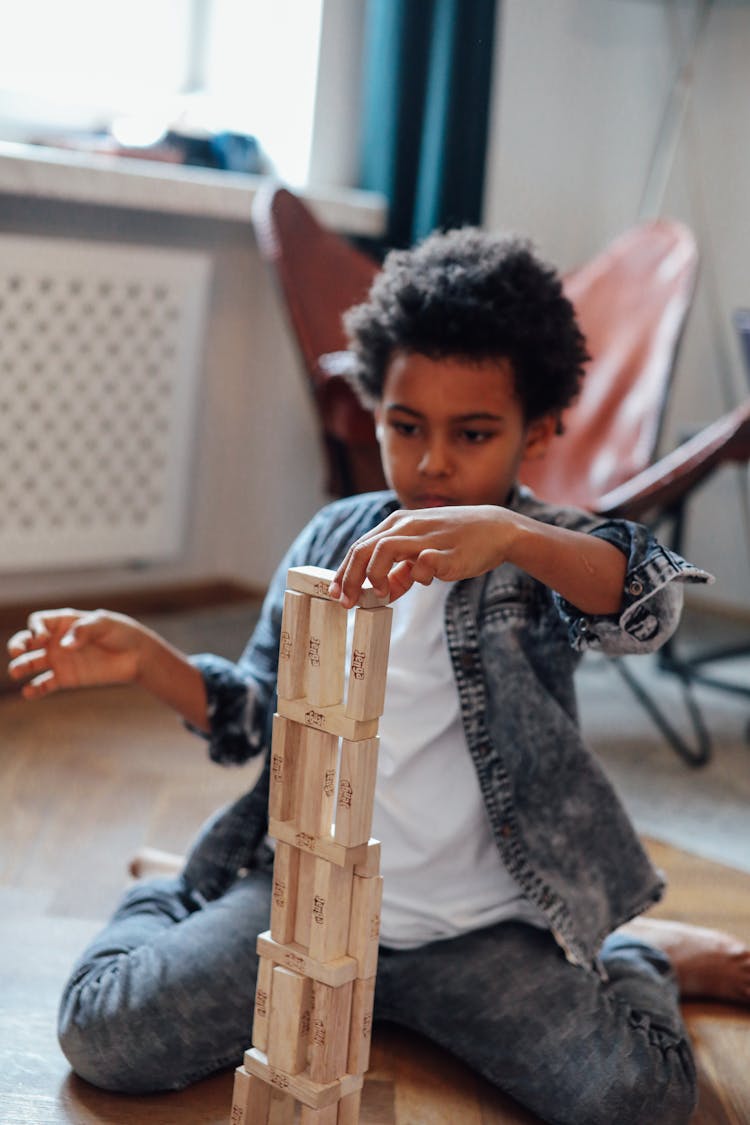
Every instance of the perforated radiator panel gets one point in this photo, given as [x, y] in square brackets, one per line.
[100, 347]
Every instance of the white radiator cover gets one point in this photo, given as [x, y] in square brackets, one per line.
[100, 350]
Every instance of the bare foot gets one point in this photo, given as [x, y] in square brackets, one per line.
[152, 861]
[708, 963]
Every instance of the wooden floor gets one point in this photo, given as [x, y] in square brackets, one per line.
[84, 781]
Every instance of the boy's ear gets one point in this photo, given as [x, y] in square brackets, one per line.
[539, 434]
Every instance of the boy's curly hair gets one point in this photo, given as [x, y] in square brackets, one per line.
[475, 296]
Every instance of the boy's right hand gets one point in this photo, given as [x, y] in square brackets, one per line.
[70, 648]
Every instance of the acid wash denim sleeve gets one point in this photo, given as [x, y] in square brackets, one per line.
[652, 593]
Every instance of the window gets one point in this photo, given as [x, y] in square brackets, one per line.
[260, 73]
[249, 66]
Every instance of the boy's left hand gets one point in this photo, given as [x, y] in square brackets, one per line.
[425, 543]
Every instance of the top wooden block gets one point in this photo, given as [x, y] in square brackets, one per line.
[315, 580]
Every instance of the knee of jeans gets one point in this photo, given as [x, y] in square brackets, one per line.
[98, 1039]
[85, 1051]
[666, 1094]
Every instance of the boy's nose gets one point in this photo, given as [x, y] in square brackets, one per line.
[435, 460]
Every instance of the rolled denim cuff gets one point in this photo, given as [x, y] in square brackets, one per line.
[652, 597]
[233, 736]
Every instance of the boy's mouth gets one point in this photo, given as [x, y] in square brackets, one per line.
[434, 500]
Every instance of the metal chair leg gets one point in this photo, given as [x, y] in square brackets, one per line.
[697, 754]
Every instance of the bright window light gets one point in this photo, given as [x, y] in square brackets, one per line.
[248, 66]
[89, 52]
[261, 69]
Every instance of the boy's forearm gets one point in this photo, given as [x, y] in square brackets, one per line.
[167, 674]
[587, 571]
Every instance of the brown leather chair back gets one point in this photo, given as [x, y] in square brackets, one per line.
[631, 302]
[320, 275]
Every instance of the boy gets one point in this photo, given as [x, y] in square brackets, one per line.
[509, 863]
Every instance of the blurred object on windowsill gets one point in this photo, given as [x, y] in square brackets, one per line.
[227, 151]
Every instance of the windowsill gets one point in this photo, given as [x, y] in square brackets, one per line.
[143, 185]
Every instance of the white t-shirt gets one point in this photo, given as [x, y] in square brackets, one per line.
[443, 874]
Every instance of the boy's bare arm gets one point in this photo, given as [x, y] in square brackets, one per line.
[462, 542]
[67, 648]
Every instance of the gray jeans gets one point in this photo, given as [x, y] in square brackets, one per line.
[164, 996]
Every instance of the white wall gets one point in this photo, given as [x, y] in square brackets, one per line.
[609, 111]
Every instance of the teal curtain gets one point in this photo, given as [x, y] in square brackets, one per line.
[427, 73]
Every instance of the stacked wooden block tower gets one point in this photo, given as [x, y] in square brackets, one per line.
[316, 976]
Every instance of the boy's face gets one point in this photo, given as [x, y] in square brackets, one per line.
[453, 432]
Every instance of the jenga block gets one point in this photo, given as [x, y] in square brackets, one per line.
[348, 1109]
[369, 867]
[332, 719]
[305, 888]
[301, 1086]
[314, 580]
[360, 1031]
[329, 1031]
[289, 1025]
[284, 892]
[364, 932]
[296, 957]
[251, 1099]
[354, 804]
[367, 674]
[316, 783]
[326, 650]
[262, 1008]
[285, 753]
[295, 627]
[332, 898]
[322, 846]
[281, 1109]
[328, 1115]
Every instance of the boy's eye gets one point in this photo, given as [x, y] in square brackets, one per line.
[405, 429]
[476, 437]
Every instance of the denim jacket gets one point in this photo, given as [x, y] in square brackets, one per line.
[514, 645]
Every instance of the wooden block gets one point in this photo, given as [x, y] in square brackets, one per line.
[332, 719]
[262, 1008]
[285, 752]
[305, 888]
[329, 1031]
[332, 902]
[364, 932]
[284, 892]
[322, 846]
[297, 958]
[281, 1109]
[370, 866]
[289, 1023]
[301, 1086]
[314, 580]
[328, 1115]
[316, 782]
[348, 1109]
[354, 803]
[295, 625]
[257, 1103]
[365, 694]
[251, 1099]
[360, 1030]
[326, 652]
